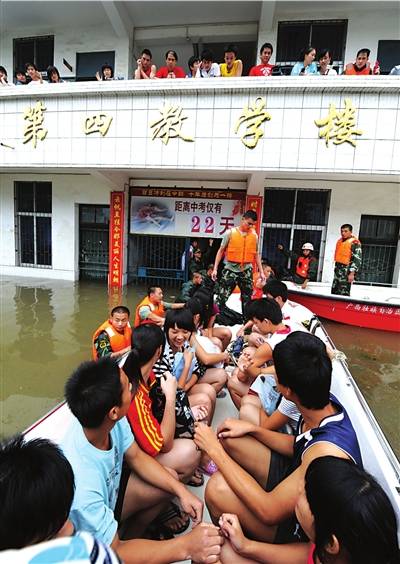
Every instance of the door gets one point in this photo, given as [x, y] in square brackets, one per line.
[93, 242]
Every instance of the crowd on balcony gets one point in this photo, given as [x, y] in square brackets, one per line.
[310, 62]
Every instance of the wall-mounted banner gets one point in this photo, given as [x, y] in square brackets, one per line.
[185, 213]
[255, 203]
[116, 252]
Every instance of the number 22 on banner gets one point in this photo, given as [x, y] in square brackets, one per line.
[203, 224]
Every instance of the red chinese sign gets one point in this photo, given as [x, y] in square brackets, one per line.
[116, 253]
[255, 203]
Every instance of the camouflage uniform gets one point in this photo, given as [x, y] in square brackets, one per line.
[340, 285]
[230, 279]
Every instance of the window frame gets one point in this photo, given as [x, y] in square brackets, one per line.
[35, 214]
[36, 39]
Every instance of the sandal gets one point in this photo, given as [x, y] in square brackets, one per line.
[197, 480]
[172, 513]
[210, 468]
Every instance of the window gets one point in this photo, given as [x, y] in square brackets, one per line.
[37, 50]
[378, 236]
[33, 223]
[295, 36]
[87, 64]
[293, 217]
[388, 55]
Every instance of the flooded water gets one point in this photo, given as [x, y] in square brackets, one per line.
[46, 328]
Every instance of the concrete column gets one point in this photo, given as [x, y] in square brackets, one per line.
[267, 30]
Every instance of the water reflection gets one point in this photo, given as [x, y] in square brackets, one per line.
[46, 329]
[34, 316]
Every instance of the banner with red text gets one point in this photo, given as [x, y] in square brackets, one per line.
[116, 252]
[255, 203]
[185, 213]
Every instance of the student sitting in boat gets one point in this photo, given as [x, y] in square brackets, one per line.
[180, 359]
[291, 311]
[99, 395]
[343, 511]
[36, 491]
[239, 382]
[160, 438]
[114, 336]
[304, 264]
[261, 471]
[152, 308]
[206, 311]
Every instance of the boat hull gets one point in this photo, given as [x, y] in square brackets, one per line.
[372, 315]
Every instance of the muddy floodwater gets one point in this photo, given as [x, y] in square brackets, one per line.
[46, 328]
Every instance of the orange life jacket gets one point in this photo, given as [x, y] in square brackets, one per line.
[242, 248]
[157, 309]
[302, 266]
[343, 250]
[118, 341]
[352, 70]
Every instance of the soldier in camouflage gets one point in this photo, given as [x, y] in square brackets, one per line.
[348, 258]
[239, 245]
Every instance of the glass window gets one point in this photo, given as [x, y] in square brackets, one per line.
[311, 207]
[278, 206]
[33, 219]
[37, 50]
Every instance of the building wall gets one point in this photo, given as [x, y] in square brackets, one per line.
[70, 41]
[365, 28]
[215, 137]
[349, 201]
[67, 192]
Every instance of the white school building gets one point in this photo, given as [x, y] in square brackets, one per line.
[176, 159]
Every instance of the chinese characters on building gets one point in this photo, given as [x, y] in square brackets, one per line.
[98, 123]
[252, 118]
[169, 125]
[339, 125]
[34, 129]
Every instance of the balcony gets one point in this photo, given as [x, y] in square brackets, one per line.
[246, 124]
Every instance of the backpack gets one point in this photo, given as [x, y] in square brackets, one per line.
[228, 316]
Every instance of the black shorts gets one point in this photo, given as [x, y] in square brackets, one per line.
[281, 467]
[121, 492]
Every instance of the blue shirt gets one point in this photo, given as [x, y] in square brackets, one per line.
[97, 476]
[335, 429]
[311, 69]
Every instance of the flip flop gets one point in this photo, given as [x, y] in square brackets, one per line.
[197, 480]
[172, 512]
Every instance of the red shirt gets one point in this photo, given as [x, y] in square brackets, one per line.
[163, 72]
[257, 293]
[261, 70]
[144, 425]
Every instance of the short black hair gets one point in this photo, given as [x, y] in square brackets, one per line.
[196, 272]
[347, 226]
[173, 53]
[303, 365]
[92, 390]
[207, 55]
[181, 318]
[231, 49]
[36, 491]
[306, 51]
[365, 50]
[3, 70]
[152, 289]
[193, 59]
[19, 71]
[31, 65]
[251, 214]
[266, 46]
[50, 70]
[120, 309]
[264, 308]
[323, 52]
[107, 66]
[147, 52]
[276, 288]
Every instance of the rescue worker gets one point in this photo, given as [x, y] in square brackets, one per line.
[348, 257]
[240, 247]
[152, 308]
[114, 336]
[305, 265]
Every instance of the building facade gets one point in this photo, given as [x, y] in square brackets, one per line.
[183, 155]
